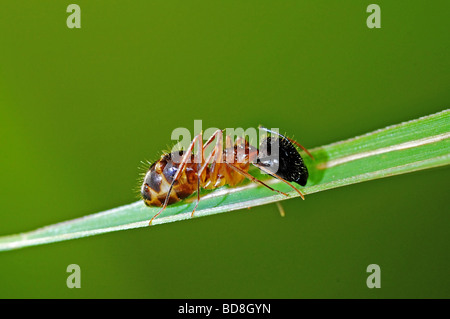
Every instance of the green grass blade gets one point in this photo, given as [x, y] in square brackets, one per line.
[415, 145]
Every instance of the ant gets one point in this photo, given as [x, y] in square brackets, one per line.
[168, 181]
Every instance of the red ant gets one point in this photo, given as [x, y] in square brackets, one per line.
[168, 181]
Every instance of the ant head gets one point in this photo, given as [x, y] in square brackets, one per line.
[288, 164]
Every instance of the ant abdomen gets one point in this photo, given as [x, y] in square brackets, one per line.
[159, 177]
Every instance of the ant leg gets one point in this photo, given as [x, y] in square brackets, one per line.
[213, 152]
[281, 209]
[280, 178]
[289, 139]
[199, 171]
[183, 162]
[213, 137]
[229, 155]
[228, 143]
[216, 154]
[202, 164]
[253, 179]
[302, 147]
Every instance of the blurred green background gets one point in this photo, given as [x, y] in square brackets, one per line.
[80, 108]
